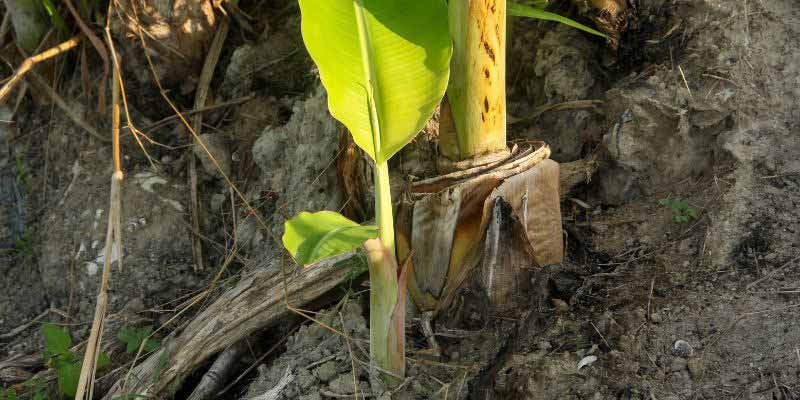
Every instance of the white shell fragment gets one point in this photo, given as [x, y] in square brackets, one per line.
[586, 361]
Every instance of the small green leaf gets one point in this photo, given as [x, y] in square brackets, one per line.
[311, 237]
[102, 360]
[521, 10]
[664, 202]
[133, 338]
[10, 394]
[56, 340]
[68, 376]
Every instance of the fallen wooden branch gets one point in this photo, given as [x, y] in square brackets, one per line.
[255, 303]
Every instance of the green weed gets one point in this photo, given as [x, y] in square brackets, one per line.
[8, 394]
[133, 338]
[67, 364]
[24, 245]
[681, 210]
[23, 178]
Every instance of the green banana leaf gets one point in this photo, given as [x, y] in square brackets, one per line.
[384, 63]
[311, 237]
[522, 10]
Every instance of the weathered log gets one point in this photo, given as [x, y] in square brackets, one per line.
[257, 301]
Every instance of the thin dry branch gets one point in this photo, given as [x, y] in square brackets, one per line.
[35, 59]
[197, 124]
[101, 50]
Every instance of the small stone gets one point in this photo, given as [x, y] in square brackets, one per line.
[218, 149]
[696, 368]
[326, 371]
[544, 345]
[660, 375]
[560, 305]
[655, 318]
[662, 292]
[342, 384]
[682, 348]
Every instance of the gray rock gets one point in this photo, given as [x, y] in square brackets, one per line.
[326, 371]
[682, 348]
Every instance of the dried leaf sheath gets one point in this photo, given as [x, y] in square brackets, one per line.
[458, 208]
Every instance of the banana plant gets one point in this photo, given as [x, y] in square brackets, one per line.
[385, 66]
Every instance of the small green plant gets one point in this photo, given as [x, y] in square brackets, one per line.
[35, 386]
[133, 338]
[8, 394]
[67, 364]
[23, 178]
[24, 244]
[681, 210]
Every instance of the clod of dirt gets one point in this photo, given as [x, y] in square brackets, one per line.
[660, 135]
[308, 143]
[275, 64]
[177, 34]
[320, 359]
[215, 145]
[563, 69]
[563, 60]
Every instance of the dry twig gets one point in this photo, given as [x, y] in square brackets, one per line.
[35, 59]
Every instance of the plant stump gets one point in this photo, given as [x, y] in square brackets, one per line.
[483, 229]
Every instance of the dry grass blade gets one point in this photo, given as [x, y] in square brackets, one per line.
[89, 367]
[71, 113]
[86, 380]
[101, 49]
[567, 105]
[197, 124]
[217, 106]
[33, 60]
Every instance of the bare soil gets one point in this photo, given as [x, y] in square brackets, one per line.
[701, 102]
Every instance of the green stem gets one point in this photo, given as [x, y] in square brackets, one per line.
[383, 206]
[386, 341]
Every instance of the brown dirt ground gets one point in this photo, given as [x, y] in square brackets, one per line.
[700, 103]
